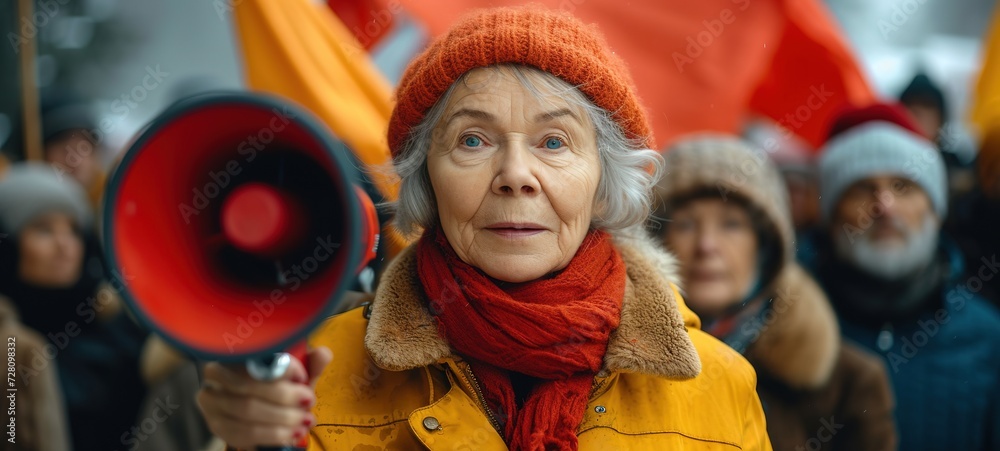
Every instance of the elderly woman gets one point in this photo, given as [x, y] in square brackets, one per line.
[532, 313]
[728, 222]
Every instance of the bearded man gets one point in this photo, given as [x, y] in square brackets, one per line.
[900, 289]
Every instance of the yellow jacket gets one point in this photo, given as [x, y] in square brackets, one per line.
[395, 384]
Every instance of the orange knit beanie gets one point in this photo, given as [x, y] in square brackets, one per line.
[554, 42]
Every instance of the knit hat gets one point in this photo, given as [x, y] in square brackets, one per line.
[31, 189]
[880, 147]
[851, 116]
[554, 42]
[732, 168]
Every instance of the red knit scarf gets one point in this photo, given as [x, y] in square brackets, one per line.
[553, 329]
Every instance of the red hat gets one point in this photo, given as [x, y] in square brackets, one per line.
[554, 42]
[852, 116]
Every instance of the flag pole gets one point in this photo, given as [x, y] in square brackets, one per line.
[29, 90]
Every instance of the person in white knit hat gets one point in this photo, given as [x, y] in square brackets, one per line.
[899, 287]
[76, 349]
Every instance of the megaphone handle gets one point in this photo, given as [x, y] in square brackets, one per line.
[272, 368]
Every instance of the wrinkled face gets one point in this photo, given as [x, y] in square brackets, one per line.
[75, 155]
[886, 226]
[51, 251]
[717, 246]
[884, 210]
[514, 176]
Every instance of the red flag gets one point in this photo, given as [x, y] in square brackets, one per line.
[708, 65]
[369, 20]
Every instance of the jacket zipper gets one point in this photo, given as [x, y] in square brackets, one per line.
[482, 400]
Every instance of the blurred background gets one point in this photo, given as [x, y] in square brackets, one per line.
[81, 78]
[102, 48]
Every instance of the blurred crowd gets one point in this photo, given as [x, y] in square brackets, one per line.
[860, 279]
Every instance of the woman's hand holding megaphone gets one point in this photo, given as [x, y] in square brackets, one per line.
[247, 413]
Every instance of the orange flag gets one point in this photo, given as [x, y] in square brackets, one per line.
[986, 101]
[709, 64]
[301, 50]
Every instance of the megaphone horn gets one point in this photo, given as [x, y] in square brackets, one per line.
[240, 217]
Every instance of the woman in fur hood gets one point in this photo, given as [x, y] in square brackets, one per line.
[723, 210]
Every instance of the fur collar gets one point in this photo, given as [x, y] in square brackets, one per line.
[651, 339]
[800, 345]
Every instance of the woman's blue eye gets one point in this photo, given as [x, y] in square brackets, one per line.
[472, 141]
[553, 143]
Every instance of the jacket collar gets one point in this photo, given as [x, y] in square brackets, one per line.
[799, 341]
[652, 337]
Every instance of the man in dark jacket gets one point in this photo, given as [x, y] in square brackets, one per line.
[974, 219]
[899, 288]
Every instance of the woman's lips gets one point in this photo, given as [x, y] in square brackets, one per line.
[515, 230]
[705, 276]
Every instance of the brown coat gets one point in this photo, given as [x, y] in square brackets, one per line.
[40, 422]
[818, 392]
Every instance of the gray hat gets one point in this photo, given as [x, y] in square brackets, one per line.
[880, 148]
[28, 190]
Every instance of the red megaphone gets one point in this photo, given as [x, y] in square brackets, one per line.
[237, 224]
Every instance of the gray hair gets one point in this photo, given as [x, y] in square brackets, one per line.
[623, 195]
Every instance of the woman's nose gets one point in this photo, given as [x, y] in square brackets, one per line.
[706, 240]
[65, 243]
[515, 175]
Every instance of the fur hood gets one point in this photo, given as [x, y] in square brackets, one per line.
[799, 340]
[652, 337]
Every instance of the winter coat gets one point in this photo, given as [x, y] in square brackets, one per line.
[943, 356]
[39, 415]
[394, 383]
[819, 391]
